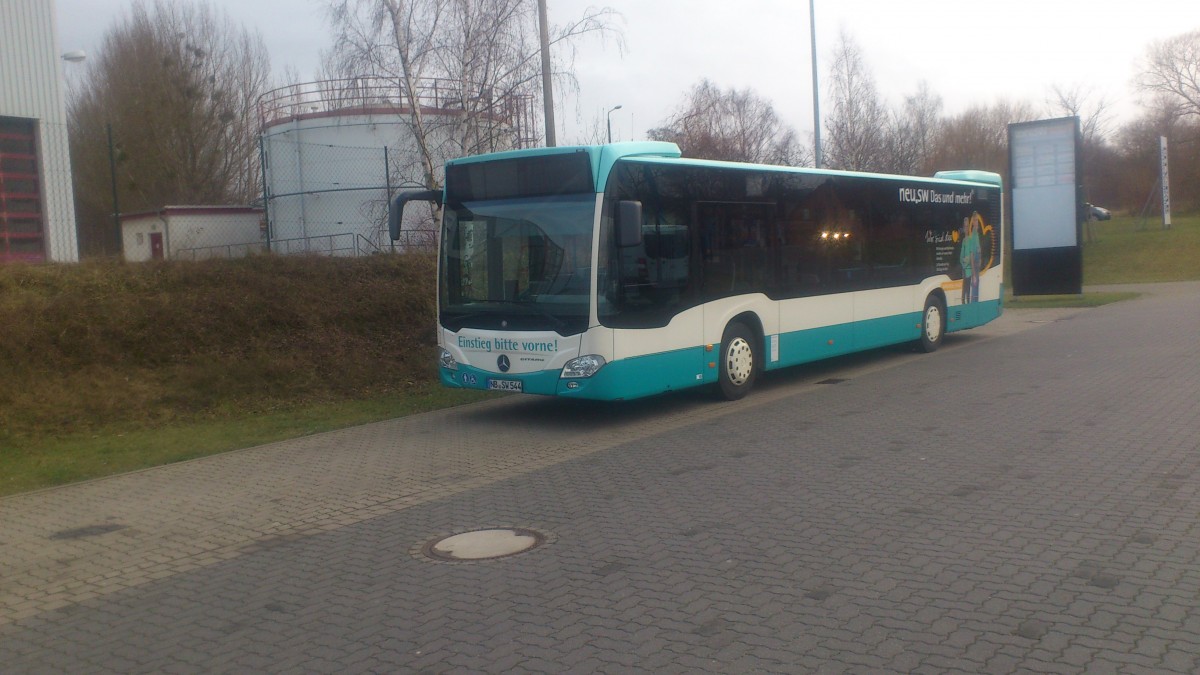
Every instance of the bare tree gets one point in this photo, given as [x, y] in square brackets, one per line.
[1171, 73]
[1137, 146]
[911, 133]
[178, 85]
[1082, 101]
[857, 123]
[978, 137]
[474, 61]
[731, 125]
[864, 133]
[1092, 110]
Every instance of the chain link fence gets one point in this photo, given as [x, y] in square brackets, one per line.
[331, 199]
[335, 151]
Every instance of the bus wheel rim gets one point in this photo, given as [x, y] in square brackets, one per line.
[933, 323]
[739, 361]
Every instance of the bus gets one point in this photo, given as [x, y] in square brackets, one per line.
[625, 270]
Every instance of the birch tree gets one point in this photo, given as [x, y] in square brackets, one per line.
[476, 62]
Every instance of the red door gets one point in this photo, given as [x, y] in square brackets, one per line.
[156, 247]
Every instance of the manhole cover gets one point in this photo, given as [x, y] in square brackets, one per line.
[484, 544]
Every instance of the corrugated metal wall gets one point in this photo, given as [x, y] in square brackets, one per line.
[31, 87]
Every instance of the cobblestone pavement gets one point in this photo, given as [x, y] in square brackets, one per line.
[1024, 500]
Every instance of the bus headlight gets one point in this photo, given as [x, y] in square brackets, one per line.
[445, 360]
[583, 366]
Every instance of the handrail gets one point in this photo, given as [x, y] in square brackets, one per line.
[194, 251]
[373, 248]
[416, 240]
[377, 93]
[307, 244]
[412, 240]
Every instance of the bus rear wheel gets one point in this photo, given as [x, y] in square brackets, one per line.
[739, 362]
[933, 324]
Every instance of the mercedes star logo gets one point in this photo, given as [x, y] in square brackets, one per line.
[503, 363]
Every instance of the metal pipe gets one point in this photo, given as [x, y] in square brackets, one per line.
[262, 163]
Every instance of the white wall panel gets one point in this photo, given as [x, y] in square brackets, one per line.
[31, 87]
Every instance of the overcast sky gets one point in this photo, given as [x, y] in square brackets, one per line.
[970, 52]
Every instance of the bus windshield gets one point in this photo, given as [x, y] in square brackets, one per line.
[519, 264]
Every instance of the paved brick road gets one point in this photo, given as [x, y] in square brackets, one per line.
[1025, 500]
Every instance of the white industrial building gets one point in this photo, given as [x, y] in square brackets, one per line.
[37, 211]
[193, 233]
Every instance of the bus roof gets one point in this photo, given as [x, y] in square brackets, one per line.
[604, 156]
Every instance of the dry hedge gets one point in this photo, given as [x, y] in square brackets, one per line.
[98, 342]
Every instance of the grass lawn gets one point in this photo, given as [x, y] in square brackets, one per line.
[1083, 300]
[29, 463]
[1126, 250]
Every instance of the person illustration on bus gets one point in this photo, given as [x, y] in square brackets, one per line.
[969, 258]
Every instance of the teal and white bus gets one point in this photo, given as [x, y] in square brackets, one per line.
[624, 270]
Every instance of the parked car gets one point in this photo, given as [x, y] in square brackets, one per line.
[1098, 212]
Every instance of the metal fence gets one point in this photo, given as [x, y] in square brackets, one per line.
[333, 200]
[335, 151]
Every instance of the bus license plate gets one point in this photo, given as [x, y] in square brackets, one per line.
[505, 385]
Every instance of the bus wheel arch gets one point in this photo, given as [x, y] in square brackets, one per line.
[933, 322]
[740, 360]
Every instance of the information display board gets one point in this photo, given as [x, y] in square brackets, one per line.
[1044, 168]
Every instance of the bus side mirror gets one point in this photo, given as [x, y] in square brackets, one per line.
[396, 212]
[629, 224]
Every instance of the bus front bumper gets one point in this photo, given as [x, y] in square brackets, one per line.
[624, 379]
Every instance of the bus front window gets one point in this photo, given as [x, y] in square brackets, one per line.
[521, 264]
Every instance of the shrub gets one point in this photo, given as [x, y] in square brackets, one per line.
[99, 342]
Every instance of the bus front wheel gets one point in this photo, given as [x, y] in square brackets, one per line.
[933, 324]
[739, 366]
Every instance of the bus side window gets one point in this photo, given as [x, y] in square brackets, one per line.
[841, 244]
[737, 247]
[889, 250]
[802, 268]
[668, 246]
[655, 276]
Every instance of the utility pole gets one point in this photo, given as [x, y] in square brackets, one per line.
[812, 26]
[112, 172]
[547, 85]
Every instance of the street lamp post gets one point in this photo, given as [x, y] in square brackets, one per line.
[610, 112]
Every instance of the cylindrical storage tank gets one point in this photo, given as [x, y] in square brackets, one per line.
[333, 153]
